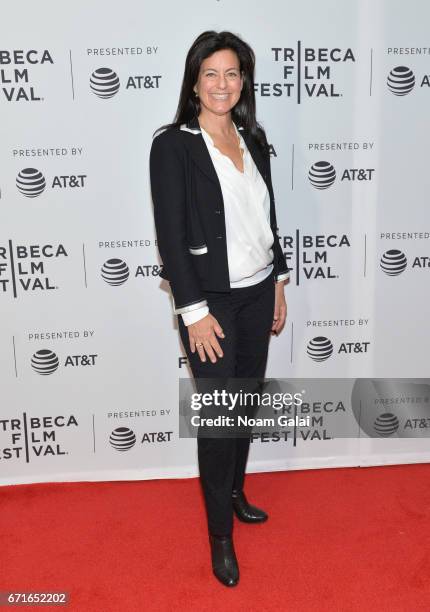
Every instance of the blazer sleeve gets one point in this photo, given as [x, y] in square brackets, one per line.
[283, 271]
[168, 187]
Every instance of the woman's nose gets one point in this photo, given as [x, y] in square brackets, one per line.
[222, 81]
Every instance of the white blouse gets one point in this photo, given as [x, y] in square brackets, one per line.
[247, 217]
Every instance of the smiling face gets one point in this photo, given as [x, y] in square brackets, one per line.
[220, 82]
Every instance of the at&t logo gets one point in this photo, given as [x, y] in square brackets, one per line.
[31, 182]
[45, 361]
[386, 424]
[123, 438]
[322, 174]
[401, 80]
[105, 82]
[394, 262]
[321, 348]
[116, 272]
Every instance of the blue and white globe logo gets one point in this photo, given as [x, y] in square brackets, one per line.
[386, 424]
[122, 439]
[30, 182]
[320, 348]
[104, 83]
[401, 81]
[393, 262]
[115, 272]
[322, 175]
[44, 362]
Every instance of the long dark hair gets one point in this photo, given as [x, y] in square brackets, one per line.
[243, 112]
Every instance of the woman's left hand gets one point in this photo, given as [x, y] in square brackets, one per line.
[280, 313]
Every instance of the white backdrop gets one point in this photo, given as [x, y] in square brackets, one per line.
[90, 353]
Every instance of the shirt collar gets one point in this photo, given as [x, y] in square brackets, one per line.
[209, 137]
[193, 124]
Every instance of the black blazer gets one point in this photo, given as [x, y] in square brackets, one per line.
[189, 214]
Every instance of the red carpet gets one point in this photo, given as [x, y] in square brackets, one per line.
[336, 540]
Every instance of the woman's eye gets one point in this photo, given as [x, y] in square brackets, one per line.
[230, 75]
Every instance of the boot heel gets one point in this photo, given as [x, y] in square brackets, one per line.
[224, 562]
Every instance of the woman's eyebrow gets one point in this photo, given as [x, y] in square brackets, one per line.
[214, 69]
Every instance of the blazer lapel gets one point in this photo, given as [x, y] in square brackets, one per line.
[199, 151]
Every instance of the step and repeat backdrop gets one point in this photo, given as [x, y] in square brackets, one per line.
[90, 353]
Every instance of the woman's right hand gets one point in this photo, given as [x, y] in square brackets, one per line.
[203, 336]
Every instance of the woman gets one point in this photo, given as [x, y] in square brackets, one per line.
[217, 236]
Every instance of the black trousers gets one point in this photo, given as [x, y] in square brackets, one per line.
[246, 317]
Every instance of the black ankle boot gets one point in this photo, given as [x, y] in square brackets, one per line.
[224, 562]
[244, 511]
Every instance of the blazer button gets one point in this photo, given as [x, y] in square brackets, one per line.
[218, 212]
[219, 237]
